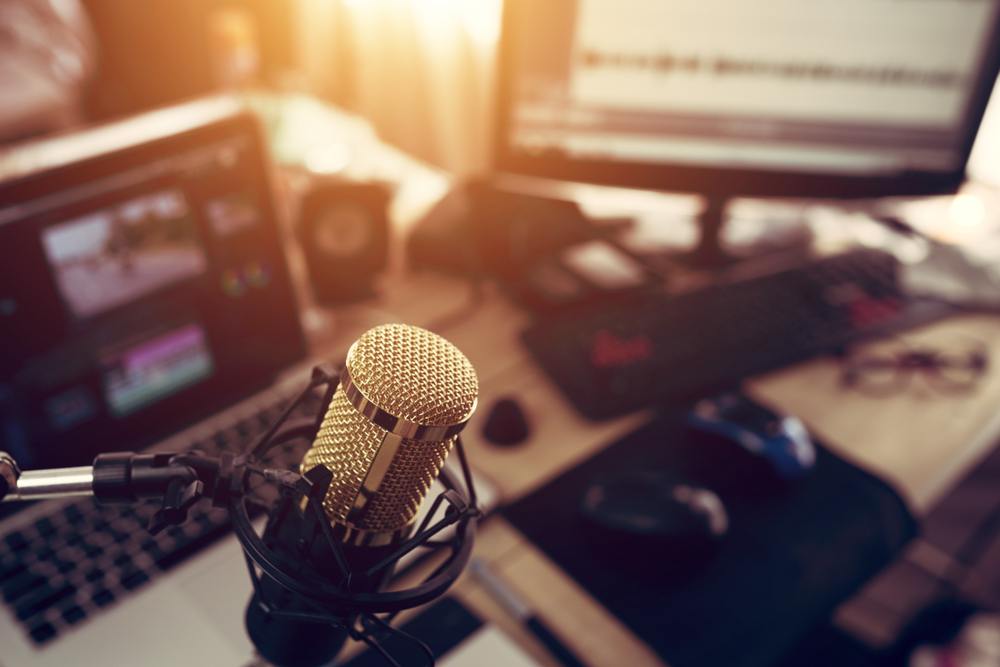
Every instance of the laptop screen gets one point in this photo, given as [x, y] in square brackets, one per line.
[141, 286]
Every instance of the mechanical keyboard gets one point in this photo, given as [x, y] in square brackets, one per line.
[81, 557]
[615, 358]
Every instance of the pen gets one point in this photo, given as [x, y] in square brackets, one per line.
[520, 610]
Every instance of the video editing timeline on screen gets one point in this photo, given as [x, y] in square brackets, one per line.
[876, 89]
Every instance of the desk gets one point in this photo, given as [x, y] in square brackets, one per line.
[919, 442]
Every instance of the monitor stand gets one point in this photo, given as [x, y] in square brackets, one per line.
[710, 255]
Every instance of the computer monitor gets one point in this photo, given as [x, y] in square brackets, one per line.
[854, 98]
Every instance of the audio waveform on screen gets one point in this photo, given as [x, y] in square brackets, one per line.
[666, 63]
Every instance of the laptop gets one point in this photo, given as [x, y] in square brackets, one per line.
[145, 302]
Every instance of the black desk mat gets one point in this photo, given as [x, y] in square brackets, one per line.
[792, 554]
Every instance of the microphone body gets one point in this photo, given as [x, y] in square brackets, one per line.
[297, 642]
[403, 396]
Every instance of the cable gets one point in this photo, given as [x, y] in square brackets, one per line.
[428, 653]
[378, 647]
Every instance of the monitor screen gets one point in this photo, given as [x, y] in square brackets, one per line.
[139, 288]
[684, 93]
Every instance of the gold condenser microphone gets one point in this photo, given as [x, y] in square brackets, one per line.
[404, 395]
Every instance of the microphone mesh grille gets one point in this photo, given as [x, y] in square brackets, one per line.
[346, 445]
[410, 373]
[414, 374]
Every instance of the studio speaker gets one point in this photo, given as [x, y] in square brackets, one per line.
[343, 229]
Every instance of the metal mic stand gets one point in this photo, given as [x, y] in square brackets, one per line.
[178, 481]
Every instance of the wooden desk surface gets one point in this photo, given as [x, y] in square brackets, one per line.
[920, 441]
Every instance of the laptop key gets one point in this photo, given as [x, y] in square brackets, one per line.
[73, 614]
[92, 550]
[187, 546]
[42, 632]
[244, 429]
[119, 536]
[216, 443]
[134, 580]
[65, 566]
[16, 541]
[45, 553]
[41, 599]
[21, 585]
[73, 513]
[11, 568]
[103, 597]
[45, 527]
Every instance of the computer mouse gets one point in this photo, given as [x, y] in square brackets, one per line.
[781, 442]
[506, 424]
[654, 518]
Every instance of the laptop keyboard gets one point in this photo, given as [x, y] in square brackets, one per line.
[83, 557]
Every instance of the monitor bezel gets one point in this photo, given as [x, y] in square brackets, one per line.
[724, 181]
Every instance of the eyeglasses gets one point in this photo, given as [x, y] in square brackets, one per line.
[891, 370]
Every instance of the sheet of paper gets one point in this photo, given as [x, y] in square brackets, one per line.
[487, 647]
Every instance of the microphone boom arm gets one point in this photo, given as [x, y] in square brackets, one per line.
[178, 481]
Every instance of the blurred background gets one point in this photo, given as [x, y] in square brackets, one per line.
[420, 70]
